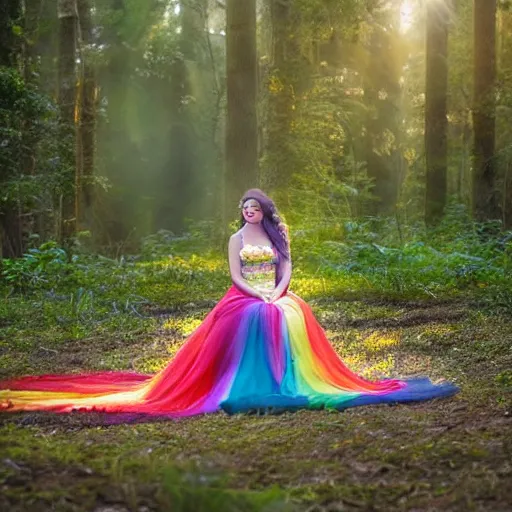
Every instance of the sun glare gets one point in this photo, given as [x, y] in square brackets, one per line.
[406, 15]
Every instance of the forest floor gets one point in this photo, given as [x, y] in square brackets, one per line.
[451, 454]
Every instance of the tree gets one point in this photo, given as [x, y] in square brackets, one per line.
[32, 16]
[282, 89]
[436, 121]
[486, 203]
[68, 27]
[87, 124]
[10, 226]
[241, 128]
[503, 127]
[30, 73]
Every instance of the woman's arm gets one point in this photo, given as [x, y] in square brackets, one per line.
[285, 280]
[235, 268]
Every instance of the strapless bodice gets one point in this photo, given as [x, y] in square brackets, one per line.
[259, 267]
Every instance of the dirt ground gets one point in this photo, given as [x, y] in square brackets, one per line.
[451, 454]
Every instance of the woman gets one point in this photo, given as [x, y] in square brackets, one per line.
[260, 348]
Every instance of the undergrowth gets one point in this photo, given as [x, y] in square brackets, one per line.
[434, 304]
[74, 296]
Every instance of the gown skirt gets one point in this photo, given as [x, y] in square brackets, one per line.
[247, 355]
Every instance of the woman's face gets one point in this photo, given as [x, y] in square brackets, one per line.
[252, 212]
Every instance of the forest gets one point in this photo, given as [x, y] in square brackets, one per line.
[129, 131]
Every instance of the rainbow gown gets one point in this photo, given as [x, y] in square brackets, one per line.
[247, 355]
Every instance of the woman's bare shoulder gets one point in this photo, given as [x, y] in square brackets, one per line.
[236, 237]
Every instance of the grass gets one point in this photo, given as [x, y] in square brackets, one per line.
[442, 455]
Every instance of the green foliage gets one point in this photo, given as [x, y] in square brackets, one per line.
[195, 492]
[36, 268]
[30, 163]
[400, 260]
[27, 127]
[199, 238]
[64, 295]
[505, 379]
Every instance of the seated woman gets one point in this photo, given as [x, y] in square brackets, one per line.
[260, 348]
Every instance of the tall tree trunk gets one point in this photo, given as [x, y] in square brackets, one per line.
[281, 98]
[31, 68]
[11, 244]
[241, 128]
[87, 126]
[502, 139]
[32, 16]
[507, 196]
[436, 121]
[68, 31]
[486, 204]
[178, 174]
[30, 72]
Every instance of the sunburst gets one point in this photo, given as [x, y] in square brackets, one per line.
[407, 15]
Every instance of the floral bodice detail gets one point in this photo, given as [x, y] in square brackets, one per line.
[258, 264]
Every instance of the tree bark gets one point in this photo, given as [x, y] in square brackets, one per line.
[68, 31]
[32, 16]
[30, 73]
[505, 69]
[436, 121]
[241, 129]
[486, 203]
[283, 85]
[11, 243]
[87, 126]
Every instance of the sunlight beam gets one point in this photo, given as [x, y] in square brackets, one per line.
[407, 15]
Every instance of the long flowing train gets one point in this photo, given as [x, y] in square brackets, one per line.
[247, 354]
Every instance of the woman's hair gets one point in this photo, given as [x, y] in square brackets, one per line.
[275, 228]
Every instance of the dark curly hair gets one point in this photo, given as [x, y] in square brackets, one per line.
[272, 223]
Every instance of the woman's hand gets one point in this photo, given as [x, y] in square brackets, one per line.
[261, 297]
[266, 297]
[276, 294]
